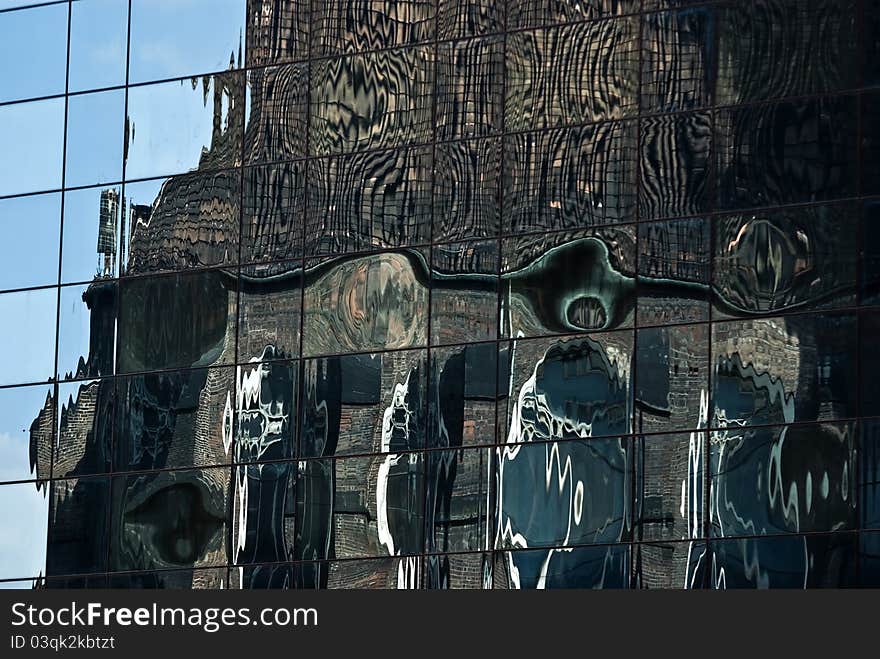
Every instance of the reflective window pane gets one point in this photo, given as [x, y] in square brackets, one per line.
[34, 50]
[182, 222]
[90, 243]
[373, 403]
[169, 519]
[176, 321]
[347, 25]
[184, 125]
[24, 528]
[95, 131]
[98, 39]
[87, 330]
[78, 532]
[548, 86]
[359, 507]
[85, 428]
[369, 201]
[378, 301]
[277, 31]
[376, 100]
[172, 419]
[466, 190]
[464, 292]
[782, 479]
[24, 223]
[674, 269]
[789, 152]
[169, 39]
[26, 446]
[33, 139]
[27, 344]
[559, 283]
[804, 258]
[570, 178]
[782, 370]
[672, 378]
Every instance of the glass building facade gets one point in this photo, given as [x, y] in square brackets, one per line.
[439, 293]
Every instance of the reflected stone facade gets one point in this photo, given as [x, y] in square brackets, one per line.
[429, 294]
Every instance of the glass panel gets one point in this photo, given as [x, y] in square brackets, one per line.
[469, 88]
[458, 571]
[85, 429]
[563, 494]
[458, 499]
[782, 479]
[270, 308]
[462, 18]
[571, 178]
[675, 155]
[567, 283]
[348, 25]
[804, 561]
[869, 475]
[870, 144]
[277, 31]
[466, 189]
[672, 378]
[173, 419]
[77, 542]
[462, 394]
[548, 85]
[383, 573]
[816, 41]
[276, 113]
[176, 321]
[782, 370]
[98, 39]
[34, 48]
[87, 330]
[376, 100]
[523, 13]
[869, 364]
[182, 222]
[464, 292]
[170, 39]
[29, 235]
[91, 234]
[802, 258]
[674, 267]
[355, 404]
[569, 387]
[869, 246]
[207, 579]
[33, 139]
[274, 207]
[26, 435]
[363, 506]
[677, 54]
[206, 116]
[369, 201]
[266, 415]
[23, 527]
[27, 339]
[582, 567]
[670, 488]
[790, 152]
[670, 565]
[95, 135]
[366, 302]
[169, 519]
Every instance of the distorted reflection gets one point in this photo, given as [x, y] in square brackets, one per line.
[302, 345]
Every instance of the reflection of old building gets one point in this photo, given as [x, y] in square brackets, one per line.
[298, 381]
